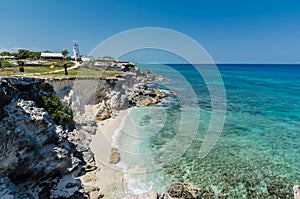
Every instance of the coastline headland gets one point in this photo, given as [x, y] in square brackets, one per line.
[49, 147]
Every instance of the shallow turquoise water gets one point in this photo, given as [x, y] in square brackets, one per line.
[257, 154]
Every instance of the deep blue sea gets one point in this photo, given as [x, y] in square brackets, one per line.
[257, 154]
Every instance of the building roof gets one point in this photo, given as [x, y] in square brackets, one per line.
[52, 55]
[7, 57]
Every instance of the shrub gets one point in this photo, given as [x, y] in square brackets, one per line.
[61, 113]
[6, 64]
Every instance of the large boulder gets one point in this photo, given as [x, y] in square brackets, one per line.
[119, 101]
[114, 157]
[146, 101]
[296, 189]
[103, 111]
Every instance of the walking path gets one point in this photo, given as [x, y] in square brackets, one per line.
[76, 65]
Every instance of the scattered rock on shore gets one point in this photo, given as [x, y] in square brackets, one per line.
[114, 157]
[148, 195]
[296, 189]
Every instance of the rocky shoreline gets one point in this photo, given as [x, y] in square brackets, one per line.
[41, 158]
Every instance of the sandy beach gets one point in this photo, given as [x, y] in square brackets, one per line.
[107, 177]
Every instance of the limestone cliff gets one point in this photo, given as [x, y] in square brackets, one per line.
[35, 152]
[107, 96]
[40, 158]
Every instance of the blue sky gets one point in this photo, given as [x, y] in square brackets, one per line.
[230, 31]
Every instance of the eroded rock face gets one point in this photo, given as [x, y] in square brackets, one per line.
[28, 148]
[38, 156]
[119, 101]
[128, 90]
[108, 95]
[7, 93]
[9, 191]
[25, 88]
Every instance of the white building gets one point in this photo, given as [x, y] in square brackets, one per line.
[52, 55]
[8, 57]
[87, 59]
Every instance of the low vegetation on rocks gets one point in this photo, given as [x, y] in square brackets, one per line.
[61, 113]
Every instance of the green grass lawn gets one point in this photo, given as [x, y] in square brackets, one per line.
[47, 71]
[14, 70]
[93, 72]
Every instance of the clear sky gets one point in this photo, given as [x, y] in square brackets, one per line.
[231, 31]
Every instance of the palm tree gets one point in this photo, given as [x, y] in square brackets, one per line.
[65, 53]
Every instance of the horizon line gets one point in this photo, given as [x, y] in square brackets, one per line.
[224, 63]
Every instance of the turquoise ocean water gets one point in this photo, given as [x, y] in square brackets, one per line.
[256, 156]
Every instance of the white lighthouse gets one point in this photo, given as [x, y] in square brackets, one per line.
[76, 54]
